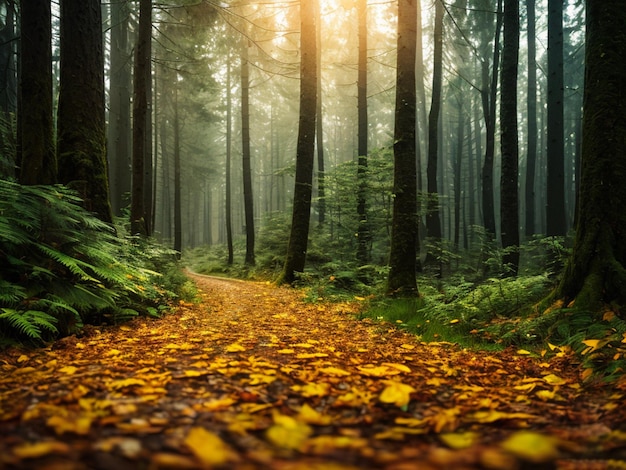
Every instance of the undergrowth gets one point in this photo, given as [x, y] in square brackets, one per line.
[63, 268]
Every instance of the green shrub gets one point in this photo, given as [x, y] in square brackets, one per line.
[62, 267]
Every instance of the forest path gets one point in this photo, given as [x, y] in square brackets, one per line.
[252, 377]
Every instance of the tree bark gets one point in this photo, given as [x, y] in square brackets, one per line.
[228, 197]
[81, 125]
[531, 143]
[555, 208]
[248, 201]
[119, 138]
[509, 206]
[37, 158]
[141, 88]
[489, 93]
[305, 151]
[596, 272]
[433, 218]
[404, 239]
[363, 232]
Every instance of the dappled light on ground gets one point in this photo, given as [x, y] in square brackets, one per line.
[252, 377]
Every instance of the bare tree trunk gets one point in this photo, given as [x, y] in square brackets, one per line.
[363, 232]
[555, 208]
[531, 145]
[229, 131]
[298, 239]
[245, 152]
[141, 88]
[509, 207]
[404, 236]
[37, 159]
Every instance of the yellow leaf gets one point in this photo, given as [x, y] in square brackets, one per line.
[285, 351]
[553, 379]
[125, 383]
[40, 449]
[456, 320]
[411, 422]
[208, 448]
[400, 367]
[532, 446]
[69, 370]
[22, 358]
[492, 416]
[461, 440]
[311, 355]
[311, 416]
[235, 347]
[287, 432]
[407, 346]
[594, 344]
[333, 371]
[523, 352]
[61, 425]
[377, 371]
[215, 405]
[312, 389]
[397, 393]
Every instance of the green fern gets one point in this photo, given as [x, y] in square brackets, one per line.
[29, 323]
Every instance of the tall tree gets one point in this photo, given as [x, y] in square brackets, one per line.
[120, 77]
[489, 93]
[298, 238]
[363, 232]
[319, 127]
[531, 100]
[433, 219]
[596, 272]
[141, 89]
[37, 159]
[81, 140]
[555, 208]
[404, 237]
[228, 186]
[248, 201]
[509, 212]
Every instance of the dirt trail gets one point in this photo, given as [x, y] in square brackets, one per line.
[254, 378]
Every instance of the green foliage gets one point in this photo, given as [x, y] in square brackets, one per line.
[62, 267]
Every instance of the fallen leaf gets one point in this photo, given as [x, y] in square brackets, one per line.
[397, 393]
[532, 446]
[208, 447]
[287, 432]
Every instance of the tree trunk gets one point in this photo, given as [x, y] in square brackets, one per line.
[363, 233]
[119, 138]
[245, 153]
[489, 93]
[555, 208]
[531, 143]
[509, 211]
[81, 114]
[319, 131]
[596, 271]
[141, 89]
[37, 155]
[298, 239]
[404, 239]
[228, 197]
[433, 218]
[178, 206]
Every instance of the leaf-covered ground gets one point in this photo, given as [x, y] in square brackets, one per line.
[254, 378]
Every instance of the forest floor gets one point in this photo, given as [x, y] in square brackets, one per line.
[253, 377]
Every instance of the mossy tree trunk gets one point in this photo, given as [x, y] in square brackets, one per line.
[248, 200]
[596, 272]
[37, 159]
[81, 127]
[305, 151]
[404, 240]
